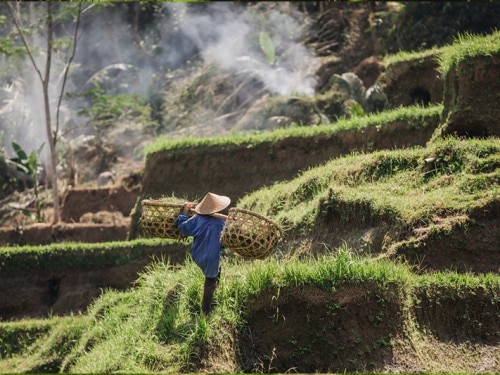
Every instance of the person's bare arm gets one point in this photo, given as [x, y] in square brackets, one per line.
[187, 207]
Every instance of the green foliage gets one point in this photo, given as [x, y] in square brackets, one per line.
[9, 48]
[27, 163]
[267, 46]
[105, 110]
[30, 165]
[356, 110]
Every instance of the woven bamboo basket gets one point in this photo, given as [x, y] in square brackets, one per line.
[249, 234]
[159, 219]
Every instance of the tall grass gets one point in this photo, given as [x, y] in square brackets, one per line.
[44, 354]
[16, 336]
[158, 327]
[461, 282]
[144, 329]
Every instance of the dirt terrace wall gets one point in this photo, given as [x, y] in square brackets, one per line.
[471, 249]
[53, 286]
[347, 329]
[366, 328]
[237, 171]
[459, 316]
[78, 201]
[472, 96]
[413, 82]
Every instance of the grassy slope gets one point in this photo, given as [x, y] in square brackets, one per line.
[156, 327]
[465, 46]
[396, 185]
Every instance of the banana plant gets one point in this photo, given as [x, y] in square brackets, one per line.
[29, 164]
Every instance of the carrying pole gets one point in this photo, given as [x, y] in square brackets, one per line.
[217, 215]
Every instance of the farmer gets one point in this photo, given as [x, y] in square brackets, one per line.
[206, 230]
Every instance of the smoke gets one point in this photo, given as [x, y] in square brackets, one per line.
[22, 113]
[229, 37]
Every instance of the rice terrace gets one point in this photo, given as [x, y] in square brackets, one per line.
[358, 142]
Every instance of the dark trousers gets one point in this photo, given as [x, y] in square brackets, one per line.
[208, 293]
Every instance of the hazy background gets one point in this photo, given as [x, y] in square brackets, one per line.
[130, 57]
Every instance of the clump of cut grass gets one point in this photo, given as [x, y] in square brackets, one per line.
[410, 187]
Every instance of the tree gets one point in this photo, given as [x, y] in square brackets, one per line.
[52, 128]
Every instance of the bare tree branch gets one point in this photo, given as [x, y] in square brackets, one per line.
[19, 29]
[66, 68]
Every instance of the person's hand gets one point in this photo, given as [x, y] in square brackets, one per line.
[187, 207]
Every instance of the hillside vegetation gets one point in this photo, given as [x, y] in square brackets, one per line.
[418, 194]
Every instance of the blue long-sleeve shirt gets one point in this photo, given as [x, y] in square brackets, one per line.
[206, 248]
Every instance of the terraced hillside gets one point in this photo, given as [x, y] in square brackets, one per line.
[390, 261]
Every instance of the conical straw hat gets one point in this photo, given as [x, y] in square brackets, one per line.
[212, 203]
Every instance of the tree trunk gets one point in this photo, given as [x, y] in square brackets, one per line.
[52, 138]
